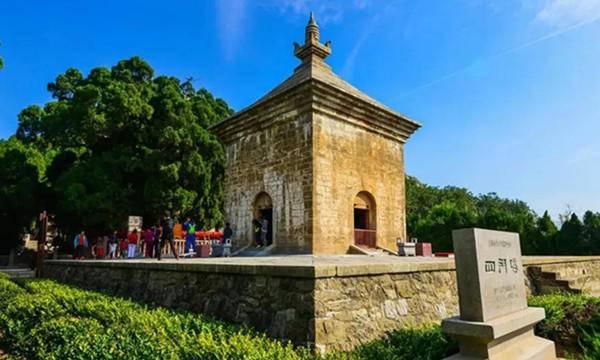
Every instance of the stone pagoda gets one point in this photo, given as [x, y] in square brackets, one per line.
[318, 162]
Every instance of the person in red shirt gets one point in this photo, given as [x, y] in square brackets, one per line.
[132, 239]
[149, 242]
[80, 243]
[123, 247]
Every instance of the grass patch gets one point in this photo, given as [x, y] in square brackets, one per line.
[41, 319]
[572, 322]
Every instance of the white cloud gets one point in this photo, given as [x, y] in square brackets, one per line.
[566, 24]
[364, 33]
[230, 20]
[232, 14]
[586, 154]
[325, 11]
[563, 13]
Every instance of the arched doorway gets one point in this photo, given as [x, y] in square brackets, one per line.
[262, 210]
[365, 220]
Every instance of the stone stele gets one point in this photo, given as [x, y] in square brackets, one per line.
[495, 322]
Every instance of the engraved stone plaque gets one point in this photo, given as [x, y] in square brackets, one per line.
[489, 273]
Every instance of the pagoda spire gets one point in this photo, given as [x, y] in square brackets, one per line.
[312, 51]
[312, 30]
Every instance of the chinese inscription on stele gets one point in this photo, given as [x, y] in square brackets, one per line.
[495, 322]
[489, 272]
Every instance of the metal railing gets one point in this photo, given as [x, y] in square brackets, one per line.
[365, 237]
[180, 245]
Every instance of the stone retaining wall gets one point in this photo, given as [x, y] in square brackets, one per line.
[352, 310]
[325, 306]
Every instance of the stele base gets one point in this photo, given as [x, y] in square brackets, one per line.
[509, 337]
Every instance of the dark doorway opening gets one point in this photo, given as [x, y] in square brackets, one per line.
[267, 214]
[361, 218]
[262, 212]
[365, 233]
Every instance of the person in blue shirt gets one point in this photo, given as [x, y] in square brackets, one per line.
[80, 243]
[190, 236]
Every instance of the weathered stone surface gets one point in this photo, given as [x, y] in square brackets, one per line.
[495, 322]
[296, 304]
[490, 273]
[371, 305]
[312, 145]
[347, 160]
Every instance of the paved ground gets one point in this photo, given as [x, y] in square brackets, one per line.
[304, 265]
[311, 260]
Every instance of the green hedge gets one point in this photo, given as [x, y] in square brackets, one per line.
[421, 343]
[41, 319]
[45, 320]
[572, 322]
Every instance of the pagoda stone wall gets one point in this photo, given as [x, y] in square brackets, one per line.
[273, 155]
[349, 159]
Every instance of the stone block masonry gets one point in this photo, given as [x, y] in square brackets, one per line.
[318, 160]
[327, 302]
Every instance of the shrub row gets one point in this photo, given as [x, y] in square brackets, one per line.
[45, 320]
[41, 319]
[572, 322]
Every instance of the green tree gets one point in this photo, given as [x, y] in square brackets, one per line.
[546, 236]
[21, 175]
[126, 142]
[591, 232]
[437, 226]
[570, 237]
[432, 214]
[422, 198]
[498, 213]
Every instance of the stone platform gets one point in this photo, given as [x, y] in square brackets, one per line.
[329, 302]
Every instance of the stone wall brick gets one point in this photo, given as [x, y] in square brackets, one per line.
[325, 311]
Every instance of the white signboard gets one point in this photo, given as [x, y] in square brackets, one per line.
[135, 222]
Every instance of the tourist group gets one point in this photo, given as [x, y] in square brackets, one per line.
[184, 240]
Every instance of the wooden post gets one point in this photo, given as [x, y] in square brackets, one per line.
[41, 248]
[11, 257]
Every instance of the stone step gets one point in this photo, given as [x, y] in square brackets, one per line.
[253, 251]
[15, 273]
[364, 250]
[568, 281]
[562, 273]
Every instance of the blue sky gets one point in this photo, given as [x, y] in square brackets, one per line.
[508, 91]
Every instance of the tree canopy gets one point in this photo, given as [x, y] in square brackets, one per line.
[122, 141]
[433, 212]
[21, 172]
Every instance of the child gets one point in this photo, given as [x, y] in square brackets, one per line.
[190, 236]
[123, 247]
[227, 237]
[113, 242]
[100, 248]
[148, 242]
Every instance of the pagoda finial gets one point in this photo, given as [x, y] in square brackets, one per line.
[311, 20]
[312, 50]
[312, 30]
